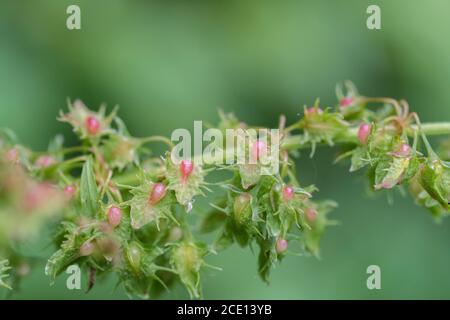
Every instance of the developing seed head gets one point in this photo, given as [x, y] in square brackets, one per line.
[404, 150]
[346, 101]
[114, 216]
[134, 255]
[158, 192]
[242, 207]
[364, 132]
[69, 191]
[288, 193]
[313, 111]
[87, 248]
[281, 245]
[38, 195]
[175, 234]
[92, 125]
[44, 161]
[311, 214]
[186, 168]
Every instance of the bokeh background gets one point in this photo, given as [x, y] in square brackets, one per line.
[168, 63]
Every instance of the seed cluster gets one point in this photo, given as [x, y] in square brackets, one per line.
[126, 212]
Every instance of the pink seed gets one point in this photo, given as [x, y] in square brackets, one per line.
[114, 216]
[186, 168]
[158, 192]
[92, 125]
[87, 248]
[346, 101]
[69, 191]
[364, 132]
[259, 149]
[281, 245]
[288, 193]
[45, 161]
[404, 150]
[311, 214]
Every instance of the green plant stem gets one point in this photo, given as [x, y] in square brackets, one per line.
[351, 136]
[295, 142]
[433, 129]
[162, 139]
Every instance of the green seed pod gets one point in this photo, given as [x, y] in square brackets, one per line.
[242, 208]
[390, 173]
[187, 261]
[119, 151]
[435, 179]
[134, 256]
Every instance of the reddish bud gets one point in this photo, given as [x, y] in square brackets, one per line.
[92, 125]
[259, 149]
[114, 216]
[281, 245]
[288, 193]
[311, 214]
[364, 132]
[186, 168]
[87, 248]
[346, 101]
[158, 192]
[45, 161]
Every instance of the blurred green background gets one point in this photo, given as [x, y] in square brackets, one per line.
[168, 63]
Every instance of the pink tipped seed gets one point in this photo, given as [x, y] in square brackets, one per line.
[281, 245]
[404, 150]
[259, 149]
[186, 168]
[346, 101]
[92, 125]
[364, 132]
[69, 191]
[158, 192]
[44, 161]
[288, 193]
[311, 214]
[87, 248]
[114, 216]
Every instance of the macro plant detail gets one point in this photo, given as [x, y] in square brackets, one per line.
[114, 207]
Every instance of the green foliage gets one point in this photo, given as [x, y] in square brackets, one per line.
[89, 197]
